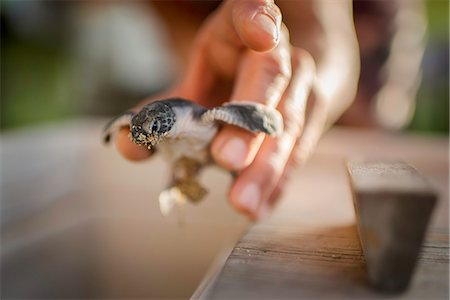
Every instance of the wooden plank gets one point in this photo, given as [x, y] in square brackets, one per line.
[292, 263]
[393, 202]
[309, 248]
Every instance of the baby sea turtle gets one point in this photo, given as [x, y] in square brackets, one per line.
[182, 131]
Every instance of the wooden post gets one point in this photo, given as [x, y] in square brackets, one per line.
[393, 204]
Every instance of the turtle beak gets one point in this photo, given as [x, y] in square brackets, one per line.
[137, 135]
[134, 133]
[140, 137]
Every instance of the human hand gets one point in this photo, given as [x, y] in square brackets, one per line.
[242, 53]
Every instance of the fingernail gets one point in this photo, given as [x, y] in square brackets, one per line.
[249, 197]
[234, 152]
[267, 24]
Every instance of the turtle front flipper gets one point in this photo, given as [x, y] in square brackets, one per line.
[185, 178]
[121, 121]
[192, 189]
[251, 116]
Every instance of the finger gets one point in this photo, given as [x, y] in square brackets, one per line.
[262, 78]
[236, 26]
[254, 186]
[128, 149]
[257, 23]
[315, 125]
[303, 149]
[256, 183]
[267, 206]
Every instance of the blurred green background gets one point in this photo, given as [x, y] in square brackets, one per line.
[40, 73]
[432, 108]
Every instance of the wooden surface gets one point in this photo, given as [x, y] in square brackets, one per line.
[78, 221]
[309, 247]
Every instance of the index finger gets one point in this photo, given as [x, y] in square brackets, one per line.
[130, 150]
[262, 78]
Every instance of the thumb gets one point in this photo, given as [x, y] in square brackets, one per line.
[257, 23]
[217, 50]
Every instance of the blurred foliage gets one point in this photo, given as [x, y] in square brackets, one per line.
[437, 13]
[35, 66]
[35, 84]
[432, 107]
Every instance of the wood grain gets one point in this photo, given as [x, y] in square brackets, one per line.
[310, 264]
[309, 247]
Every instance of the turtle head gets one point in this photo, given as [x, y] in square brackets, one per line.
[149, 126]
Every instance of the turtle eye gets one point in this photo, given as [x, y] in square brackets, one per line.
[155, 126]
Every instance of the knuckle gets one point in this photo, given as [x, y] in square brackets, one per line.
[272, 166]
[293, 122]
[294, 107]
[277, 64]
[274, 162]
[303, 60]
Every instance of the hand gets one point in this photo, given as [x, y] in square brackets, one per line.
[243, 53]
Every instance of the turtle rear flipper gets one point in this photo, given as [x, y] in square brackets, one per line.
[177, 195]
[192, 190]
[169, 198]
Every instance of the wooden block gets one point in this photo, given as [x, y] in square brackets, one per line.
[393, 204]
